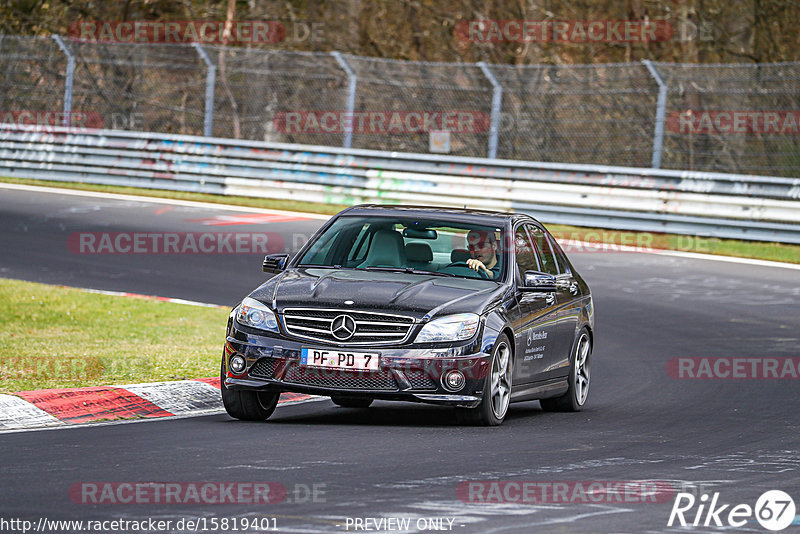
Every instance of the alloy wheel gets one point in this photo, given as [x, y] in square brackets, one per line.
[501, 380]
[582, 373]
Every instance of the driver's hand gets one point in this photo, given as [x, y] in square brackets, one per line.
[477, 265]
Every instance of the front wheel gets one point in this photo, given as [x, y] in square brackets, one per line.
[247, 405]
[497, 389]
[579, 376]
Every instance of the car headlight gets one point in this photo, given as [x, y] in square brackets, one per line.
[456, 327]
[253, 313]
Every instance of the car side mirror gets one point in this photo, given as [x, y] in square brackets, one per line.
[274, 263]
[539, 282]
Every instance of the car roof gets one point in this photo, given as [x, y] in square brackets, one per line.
[465, 214]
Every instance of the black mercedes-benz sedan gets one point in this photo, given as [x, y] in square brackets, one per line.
[465, 308]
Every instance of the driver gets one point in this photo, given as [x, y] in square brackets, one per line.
[482, 246]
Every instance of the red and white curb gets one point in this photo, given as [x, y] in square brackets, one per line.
[148, 297]
[61, 408]
[53, 408]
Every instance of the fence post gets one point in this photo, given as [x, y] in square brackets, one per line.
[497, 102]
[661, 110]
[352, 79]
[69, 79]
[211, 79]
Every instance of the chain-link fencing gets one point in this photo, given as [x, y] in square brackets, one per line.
[578, 113]
[153, 87]
[741, 118]
[766, 99]
[32, 72]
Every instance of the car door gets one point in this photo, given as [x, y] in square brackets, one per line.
[567, 310]
[535, 318]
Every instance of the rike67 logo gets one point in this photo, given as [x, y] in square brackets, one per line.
[774, 510]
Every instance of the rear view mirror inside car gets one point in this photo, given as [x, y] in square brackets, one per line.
[420, 233]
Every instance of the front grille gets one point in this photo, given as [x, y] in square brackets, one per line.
[263, 368]
[420, 380]
[370, 328]
[334, 378]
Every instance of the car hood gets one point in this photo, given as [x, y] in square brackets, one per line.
[411, 294]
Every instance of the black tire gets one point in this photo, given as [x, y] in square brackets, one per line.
[575, 397]
[489, 412]
[247, 405]
[351, 402]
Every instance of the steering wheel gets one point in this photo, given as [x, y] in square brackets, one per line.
[464, 265]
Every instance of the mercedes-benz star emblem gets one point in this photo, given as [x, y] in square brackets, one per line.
[343, 327]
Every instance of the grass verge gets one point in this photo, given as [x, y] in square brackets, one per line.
[644, 240]
[56, 337]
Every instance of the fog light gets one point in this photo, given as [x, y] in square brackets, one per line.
[237, 365]
[453, 380]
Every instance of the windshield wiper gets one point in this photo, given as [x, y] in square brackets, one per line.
[325, 266]
[389, 269]
[404, 270]
[380, 269]
[434, 273]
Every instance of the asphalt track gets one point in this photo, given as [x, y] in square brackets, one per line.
[736, 437]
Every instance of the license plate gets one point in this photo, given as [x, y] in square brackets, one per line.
[357, 361]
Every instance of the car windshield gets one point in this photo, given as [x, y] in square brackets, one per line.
[414, 245]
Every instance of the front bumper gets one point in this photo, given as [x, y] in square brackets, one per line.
[405, 373]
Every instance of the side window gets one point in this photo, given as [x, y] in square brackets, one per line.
[549, 264]
[526, 256]
[561, 258]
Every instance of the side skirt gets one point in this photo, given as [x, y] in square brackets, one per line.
[539, 390]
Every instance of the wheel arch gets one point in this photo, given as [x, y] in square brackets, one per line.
[498, 324]
[590, 331]
[510, 335]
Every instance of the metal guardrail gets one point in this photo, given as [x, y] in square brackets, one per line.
[738, 117]
[763, 208]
